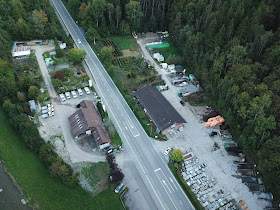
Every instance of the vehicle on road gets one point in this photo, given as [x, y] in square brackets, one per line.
[79, 41]
[182, 102]
[213, 133]
[87, 90]
[119, 187]
[74, 94]
[67, 94]
[166, 152]
[62, 97]
[80, 91]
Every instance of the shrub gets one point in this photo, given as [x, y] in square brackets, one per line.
[59, 75]
[68, 72]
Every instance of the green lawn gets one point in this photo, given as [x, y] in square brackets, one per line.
[124, 42]
[186, 188]
[39, 188]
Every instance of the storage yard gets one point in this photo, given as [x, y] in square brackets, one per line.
[221, 183]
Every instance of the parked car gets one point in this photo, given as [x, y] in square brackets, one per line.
[119, 187]
[44, 107]
[50, 105]
[166, 152]
[213, 133]
[182, 102]
[80, 91]
[62, 97]
[107, 148]
[45, 115]
[74, 94]
[67, 94]
[87, 90]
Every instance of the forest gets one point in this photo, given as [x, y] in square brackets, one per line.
[231, 46]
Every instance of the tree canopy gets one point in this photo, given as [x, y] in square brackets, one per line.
[76, 55]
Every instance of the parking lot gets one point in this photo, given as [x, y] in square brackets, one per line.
[57, 128]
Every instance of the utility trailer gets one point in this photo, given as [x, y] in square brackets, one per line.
[225, 134]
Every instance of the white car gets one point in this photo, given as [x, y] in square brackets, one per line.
[68, 95]
[87, 90]
[50, 106]
[45, 115]
[119, 187]
[166, 152]
[80, 91]
[74, 94]
[79, 41]
[62, 97]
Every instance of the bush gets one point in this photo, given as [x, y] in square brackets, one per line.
[59, 75]
[68, 72]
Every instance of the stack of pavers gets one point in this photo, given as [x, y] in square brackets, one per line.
[196, 177]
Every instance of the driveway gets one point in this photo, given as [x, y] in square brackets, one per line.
[58, 124]
[195, 138]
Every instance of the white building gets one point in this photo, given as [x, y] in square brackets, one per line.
[20, 50]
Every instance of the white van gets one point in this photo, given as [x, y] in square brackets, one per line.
[80, 92]
[62, 97]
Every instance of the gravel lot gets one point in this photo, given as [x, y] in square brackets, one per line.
[195, 138]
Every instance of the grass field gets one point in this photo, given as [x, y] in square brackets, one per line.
[39, 188]
[125, 42]
[186, 188]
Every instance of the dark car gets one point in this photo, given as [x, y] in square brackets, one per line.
[213, 133]
[183, 103]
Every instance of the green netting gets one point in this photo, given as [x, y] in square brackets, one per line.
[158, 45]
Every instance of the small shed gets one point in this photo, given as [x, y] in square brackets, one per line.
[159, 57]
[32, 105]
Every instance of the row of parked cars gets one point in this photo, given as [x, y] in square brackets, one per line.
[73, 93]
[47, 111]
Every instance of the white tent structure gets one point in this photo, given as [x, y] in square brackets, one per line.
[159, 57]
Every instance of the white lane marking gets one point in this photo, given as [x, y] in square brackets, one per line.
[173, 183]
[157, 169]
[137, 135]
[166, 186]
[166, 191]
[181, 202]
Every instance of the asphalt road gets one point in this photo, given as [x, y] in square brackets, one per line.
[152, 165]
